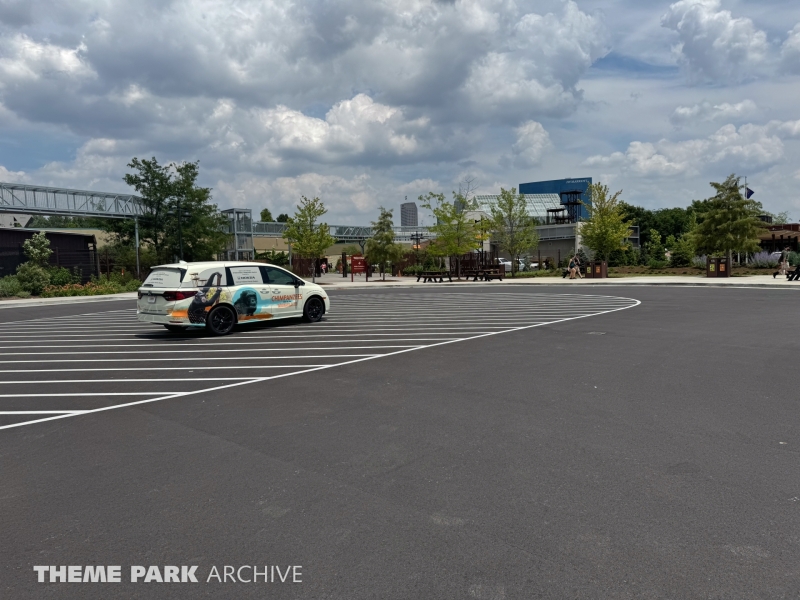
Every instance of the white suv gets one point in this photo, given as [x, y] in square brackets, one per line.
[218, 295]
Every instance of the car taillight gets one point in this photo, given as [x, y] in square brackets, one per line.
[173, 296]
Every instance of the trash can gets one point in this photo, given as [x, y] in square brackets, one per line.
[717, 267]
[597, 270]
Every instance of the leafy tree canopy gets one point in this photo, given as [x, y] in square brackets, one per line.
[730, 223]
[455, 230]
[381, 247]
[62, 222]
[512, 228]
[309, 238]
[180, 213]
[607, 228]
[266, 215]
[282, 218]
[37, 249]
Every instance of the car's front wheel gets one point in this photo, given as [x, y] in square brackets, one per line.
[221, 320]
[313, 310]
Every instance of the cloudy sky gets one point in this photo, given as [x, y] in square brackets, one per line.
[364, 103]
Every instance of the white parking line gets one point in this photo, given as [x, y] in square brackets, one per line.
[379, 320]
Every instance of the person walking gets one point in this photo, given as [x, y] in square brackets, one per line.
[572, 266]
[783, 265]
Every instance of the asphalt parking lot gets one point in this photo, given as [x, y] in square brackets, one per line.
[439, 443]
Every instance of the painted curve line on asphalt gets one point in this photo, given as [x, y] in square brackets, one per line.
[612, 300]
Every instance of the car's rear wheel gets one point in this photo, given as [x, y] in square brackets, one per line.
[313, 310]
[221, 320]
[175, 328]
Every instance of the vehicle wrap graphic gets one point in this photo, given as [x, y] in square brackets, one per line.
[249, 306]
[196, 308]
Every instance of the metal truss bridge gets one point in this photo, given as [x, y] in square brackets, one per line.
[345, 233]
[41, 200]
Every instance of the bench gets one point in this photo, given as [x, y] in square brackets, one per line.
[433, 276]
[484, 273]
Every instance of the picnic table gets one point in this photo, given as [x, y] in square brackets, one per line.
[433, 276]
[485, 273]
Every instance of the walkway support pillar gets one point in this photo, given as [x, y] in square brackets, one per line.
[136, 238]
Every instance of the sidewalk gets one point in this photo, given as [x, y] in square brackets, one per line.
[334, 282]
[337, 282]
[65, 300]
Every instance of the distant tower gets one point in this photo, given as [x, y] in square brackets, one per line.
[408, 214]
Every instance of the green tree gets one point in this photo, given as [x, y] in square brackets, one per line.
[37, 249]
[654, 248]
[309, 239]
[266, 216]
[180, 218]
[62, 222]
[681, 250]
[195, 229]
[381, 247]
[730, 223]
[282, 218]
[275, 257]
[513, 228]
[607, 228]
[455, 232]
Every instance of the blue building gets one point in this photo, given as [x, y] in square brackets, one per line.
[571, 192]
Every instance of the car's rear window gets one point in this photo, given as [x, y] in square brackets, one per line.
[164, 278]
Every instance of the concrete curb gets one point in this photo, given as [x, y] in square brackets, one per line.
[66, 300]
[735, 283]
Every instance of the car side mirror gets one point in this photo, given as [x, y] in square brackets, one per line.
[299, 282]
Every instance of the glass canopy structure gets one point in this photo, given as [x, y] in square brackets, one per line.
[538, 204]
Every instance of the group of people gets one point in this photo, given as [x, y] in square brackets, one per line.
[574, 269]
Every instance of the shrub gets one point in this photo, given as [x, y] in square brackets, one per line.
[9, 286]
[23, 294]
[700, 261]
[681, 252]
[37, 249]
[794, 259]
[763, 260]
[96, 287]
[32, 278]
[62, 276]
[412, 270]
[656, 264]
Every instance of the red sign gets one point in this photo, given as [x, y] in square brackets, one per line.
[358, 264]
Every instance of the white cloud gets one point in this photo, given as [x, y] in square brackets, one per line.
[714, 45]
[532, 141]
[749, 146]
[790, 51]
[706, 111]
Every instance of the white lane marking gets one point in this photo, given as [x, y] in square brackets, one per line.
[80, 395]
[69, 360]
[215, 350]
[217, 345]
[357, 325]
[184, 379]
[309, 370]
[194, 368]
[40, 412]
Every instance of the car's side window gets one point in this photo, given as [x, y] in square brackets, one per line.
[249, 275]
[279, 276]
[207, 278]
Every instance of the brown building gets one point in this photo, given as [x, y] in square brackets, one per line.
[777, 237]
[70, 250]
